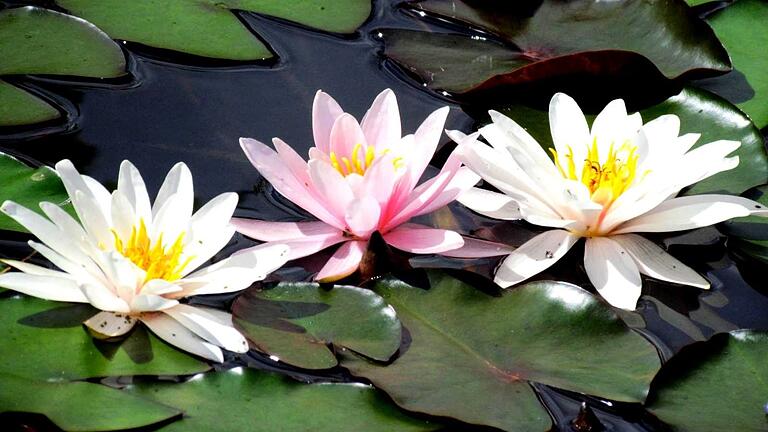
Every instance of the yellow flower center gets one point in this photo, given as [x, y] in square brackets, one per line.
[359, 161]
[156, 260]
[605, 181]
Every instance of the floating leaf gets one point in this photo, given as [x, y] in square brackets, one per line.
[297, 321]
[177, 25]
[715, 386]
[750, 233]
[737, 26]
[259, 401]
[45, 340]
[465, 343]
[700, 112]
[28, 187]
[41, 41]
[80, 406]
[552, 39]
[18, 107]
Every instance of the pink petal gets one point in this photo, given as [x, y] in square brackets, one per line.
[330, 187]
[477, 248]
[462, 181]
[292, 160]
[363, 216]
[279, 231]
[427, 137]
[380, 179]
[343, 263]
[345, 135]
[325, 111]
[381, 124]
[300, 248]
[271, 166]
[423, 240]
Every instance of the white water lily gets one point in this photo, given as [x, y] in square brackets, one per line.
[134, 261]
[604, 184]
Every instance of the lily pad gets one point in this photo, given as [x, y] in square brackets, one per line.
[465, 343]
[41, 41]
[177, 25]
[750, 234]
[716, 386]
[45, 340]
[736, 27]
[527, 41]
[28, 187]
[80, 406]
[297, 322]
[700, 112]
[267, 402]
[17, 107]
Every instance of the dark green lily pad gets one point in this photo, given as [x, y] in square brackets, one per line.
[472, 356]
[720, 385]
[737, 28]
[750, 234]
[177, 25]
[41, 41]
[28, 187]
[17, 107]
[80, 406]
[259, 401]
[700, 112]
[45, 340]
[297, 321]
[530, 41]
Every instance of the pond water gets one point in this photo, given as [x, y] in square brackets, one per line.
[175, 107]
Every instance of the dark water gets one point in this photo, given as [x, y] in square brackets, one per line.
[181, 108]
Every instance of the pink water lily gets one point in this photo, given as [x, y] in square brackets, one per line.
[361, 178]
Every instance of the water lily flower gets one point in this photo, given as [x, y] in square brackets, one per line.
[605, 184]
[134, 261]
[361, 178]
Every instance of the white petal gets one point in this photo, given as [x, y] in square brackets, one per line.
[108, 324]
[151, 303]
[613, 272]
[178, 182]
[491, 204]
[177, 335]
[690, 212]
[103, 298]
[569, 127]
[520, 138]
[534, 256]
[170, 221]
[43, 286]
[131, 184]
[209, 230]
[653, 261]
[209, 327]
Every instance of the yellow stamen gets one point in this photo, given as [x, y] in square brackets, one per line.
[156, 260]
[359, 161]
[607, 180]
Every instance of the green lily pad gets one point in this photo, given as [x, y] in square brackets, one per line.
[42, 41]
[80, 406]
[700, 112]
[297, 321]
[473, 356]
[750, 234]
[45, 340]
[28, 187]
[260, 401]
[177, 25]
[737, 28]
[719, 385]
[17, 107]
[552, 39]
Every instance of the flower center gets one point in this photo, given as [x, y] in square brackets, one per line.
[156, 260]
[607, 180]
[359, 161]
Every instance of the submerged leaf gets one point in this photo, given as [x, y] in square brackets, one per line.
[465, 343]
[239, 400]
[716, 386]
[296, 321]
[529, 41]
[210, 28]
[80, 406]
